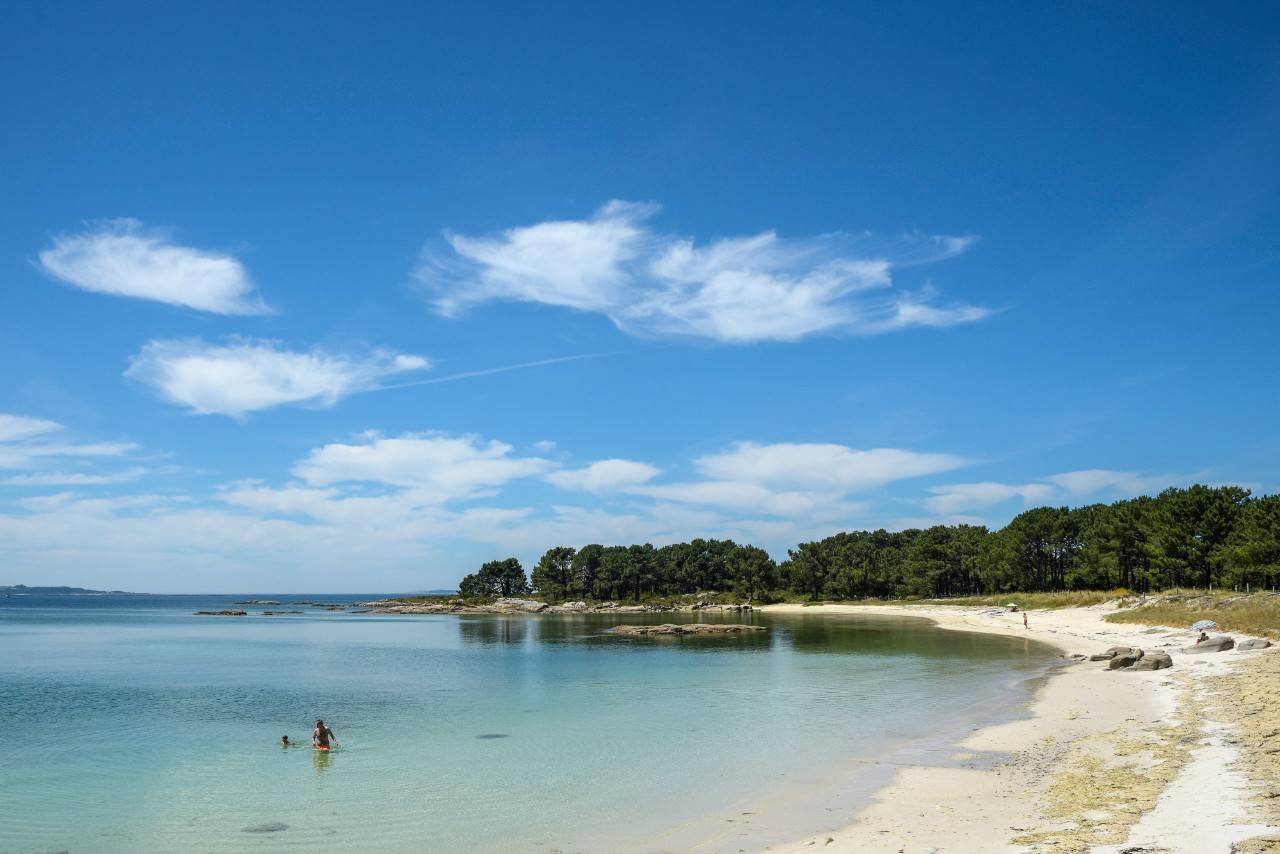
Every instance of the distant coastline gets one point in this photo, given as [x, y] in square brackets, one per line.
[22, 589]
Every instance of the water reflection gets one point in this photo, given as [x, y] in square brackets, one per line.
[320, 760]
[493, 630]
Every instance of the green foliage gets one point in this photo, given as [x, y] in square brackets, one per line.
[495, 578]
[1248, 613]
[1201, 535]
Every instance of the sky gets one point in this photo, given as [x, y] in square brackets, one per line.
[354, 297]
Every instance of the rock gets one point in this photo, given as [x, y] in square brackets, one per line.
[687, 629]
[1102, 656]
[258, 602]
[569, 608]
[1215, 644]
[1117, 650]
[1125, 659]
[278, 613]
[228, 613]
[271, 827]
[1258, 643]
[1152, 661]
[523, 606]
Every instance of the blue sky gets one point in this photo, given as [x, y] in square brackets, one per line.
[336, 297]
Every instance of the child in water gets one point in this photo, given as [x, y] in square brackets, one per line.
[284, 741]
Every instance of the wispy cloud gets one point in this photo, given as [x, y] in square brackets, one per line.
[16, 427]
[124, 258]
[605, 476]
[440, 466]
[248, 375]
[738, 289]
[1063, 487]
[28, 442]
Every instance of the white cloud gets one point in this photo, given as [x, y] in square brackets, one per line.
[16, 427]
[1094, 481]
[122, 258]
[437, 467]
[249, 375]
[60, 478]
[739, 289]
[822, 466]
[572, 263]
[604, 476]
[958, 497]
[25, 442]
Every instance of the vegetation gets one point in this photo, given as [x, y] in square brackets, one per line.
[1212, 537]
[1251, 613]
[1042, 601]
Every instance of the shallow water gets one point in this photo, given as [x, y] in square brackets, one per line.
[133, 726]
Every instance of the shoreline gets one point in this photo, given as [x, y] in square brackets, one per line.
[1101, 761]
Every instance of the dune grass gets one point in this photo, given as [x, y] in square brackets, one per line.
[1247, 613]
[1037, 601]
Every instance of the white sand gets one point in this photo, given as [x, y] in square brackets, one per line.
[1084, 714]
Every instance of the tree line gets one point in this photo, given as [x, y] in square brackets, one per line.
[1200, 536]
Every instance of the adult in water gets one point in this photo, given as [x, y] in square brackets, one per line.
[322, 735]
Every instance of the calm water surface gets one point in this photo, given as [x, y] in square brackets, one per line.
[132, 725]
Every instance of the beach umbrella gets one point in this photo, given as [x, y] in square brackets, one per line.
[1202, 625]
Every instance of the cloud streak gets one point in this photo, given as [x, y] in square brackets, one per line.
[732, 290]
[121, 257]
[248, 375]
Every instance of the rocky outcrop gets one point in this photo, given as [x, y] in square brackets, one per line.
[1257, 643]
[569, 608]
[1152, 661]
[278, 613]
[520, 606]
[1114, 651]
[1221, 643]
[687, 629]
[258, 602]
[1128, 658]
[227, 613]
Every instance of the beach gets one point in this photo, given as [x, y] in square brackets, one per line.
[1174, 760]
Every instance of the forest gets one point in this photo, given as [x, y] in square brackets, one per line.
[1200, 536]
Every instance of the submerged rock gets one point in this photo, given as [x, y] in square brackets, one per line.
[227, 613]
[687, 629]
[270, 827]
[1220, 643]
[492, 735]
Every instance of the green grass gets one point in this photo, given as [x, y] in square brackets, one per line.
[1247, 613]
[1038, 601]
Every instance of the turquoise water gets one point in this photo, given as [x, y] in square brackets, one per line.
[133, 726]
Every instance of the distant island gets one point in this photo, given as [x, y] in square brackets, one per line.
[59, 591]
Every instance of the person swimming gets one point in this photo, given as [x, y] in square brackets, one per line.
[322, 735]
[285, 742]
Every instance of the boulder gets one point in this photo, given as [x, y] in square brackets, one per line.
[1118, 650]
[1125, 659]
[569, 608]
[687, 629]
[1102, 656]
[1220, 643]
[1257, 643]
[524, 606]
[1152, 661]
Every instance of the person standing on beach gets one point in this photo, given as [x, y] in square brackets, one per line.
[1024, 620]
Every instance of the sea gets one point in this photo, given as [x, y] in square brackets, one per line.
[130, 724]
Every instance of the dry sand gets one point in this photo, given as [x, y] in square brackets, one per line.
[1177, 760]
